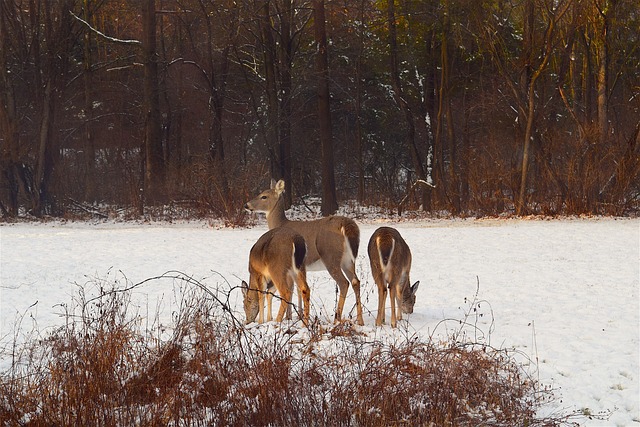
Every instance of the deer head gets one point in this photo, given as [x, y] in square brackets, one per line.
[267, 200]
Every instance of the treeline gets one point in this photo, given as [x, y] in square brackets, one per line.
[464, 107]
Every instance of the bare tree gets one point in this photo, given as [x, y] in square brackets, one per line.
[110, 95]
[89, 80]
[9, 154]
[276, 40]
[329, 200]
[403, 103]
[532, 68]
[602, 54]
[155, 173]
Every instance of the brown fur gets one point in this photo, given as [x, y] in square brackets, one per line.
[277, 257]
[390, 259]
[325, 239]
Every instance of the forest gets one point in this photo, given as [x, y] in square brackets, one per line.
[453, 107]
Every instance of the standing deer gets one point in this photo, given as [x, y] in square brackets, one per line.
[332, 242]
[390, 260]
[276, 258]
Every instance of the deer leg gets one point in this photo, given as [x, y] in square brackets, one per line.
[290, 286]
[269, 301]
[350, 272]
[261, 288]
[288, 312]
[382, 297]
[285, 294]
[291, 306]
[343, 284]
[271, 287]
[285, 297]
[392, 294]
[398, 290]
[355, 284]
[304, 293]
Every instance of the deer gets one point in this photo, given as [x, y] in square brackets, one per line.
[332, 242]
[390, 259]
[276, 260]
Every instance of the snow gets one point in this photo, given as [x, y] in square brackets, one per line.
[563, 294]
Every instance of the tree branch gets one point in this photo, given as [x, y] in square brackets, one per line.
[101, 34]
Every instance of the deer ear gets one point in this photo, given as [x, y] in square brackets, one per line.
[414, 288]
[279, 187]
[273, 183]
[244, 287]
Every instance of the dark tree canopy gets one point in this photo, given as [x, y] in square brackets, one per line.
[503, 107]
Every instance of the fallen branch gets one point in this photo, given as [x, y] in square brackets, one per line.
[413, 186]
[87, 209]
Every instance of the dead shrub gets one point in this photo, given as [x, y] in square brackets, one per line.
[103, 368]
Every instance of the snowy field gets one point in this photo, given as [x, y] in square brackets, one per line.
[562, 293]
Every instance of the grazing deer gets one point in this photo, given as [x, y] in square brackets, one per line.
[390, 260]
[332, 242]
[269, 297]
[277, 258]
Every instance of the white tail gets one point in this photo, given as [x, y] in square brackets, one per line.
[333, 240]
[390, 259]
[278, 258]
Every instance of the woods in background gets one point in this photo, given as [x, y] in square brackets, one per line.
[522, 107]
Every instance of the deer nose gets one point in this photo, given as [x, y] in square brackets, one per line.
[246, 206]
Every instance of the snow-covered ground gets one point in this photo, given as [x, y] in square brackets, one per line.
[562, 293]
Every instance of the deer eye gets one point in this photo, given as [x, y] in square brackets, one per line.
[263, 197]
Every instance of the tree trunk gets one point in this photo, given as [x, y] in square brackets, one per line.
[285, 103]
[452, 188]
[329, 200]
[41, 199]
[464, 161]
[401, 101]
[529, 111]
[603, 55]
[9, 153]
[438, 155]
[587, 79]
[454, 181]
[520, 206]
[448, 186]
[358, 107]
[154, 167]
[89, 143]
[527, 56]
[272, 121]
[358, 126]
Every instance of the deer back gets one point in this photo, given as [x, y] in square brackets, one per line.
[276, 253]
[389, 256]
[390, 259]
[333, 239]
[277, 258]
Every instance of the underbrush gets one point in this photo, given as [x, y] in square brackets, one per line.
[109, 365]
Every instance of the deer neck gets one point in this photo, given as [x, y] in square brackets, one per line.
[276, 217]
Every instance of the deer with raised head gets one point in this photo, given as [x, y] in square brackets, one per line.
[390, 260]
[332, 242]
[277, 258]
